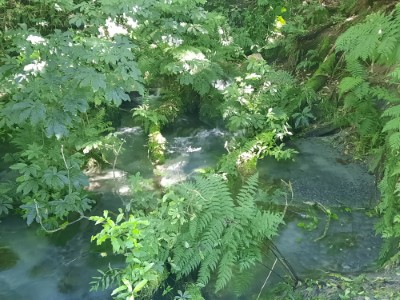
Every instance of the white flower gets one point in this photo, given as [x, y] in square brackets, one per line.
[35, 67]
[238, 79]
[34, 39]
[114, 28]
[248, 89]
[57, 7]
[220, 85]
[253, 76]
[171, 41]
[243, 101]
[227, 41]
[102, 32]
[190, 55]
[131, 22]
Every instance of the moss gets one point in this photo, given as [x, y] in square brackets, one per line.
[318, 80]
[156, 145]
[324, 46]
[247, 167]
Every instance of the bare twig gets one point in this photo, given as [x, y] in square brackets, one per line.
[266, 279]
[278, 256]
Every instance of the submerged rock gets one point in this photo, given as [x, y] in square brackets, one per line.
[8, 258]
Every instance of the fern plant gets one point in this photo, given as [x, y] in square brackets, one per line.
[198, 227]
[370, 47]
[225, 233]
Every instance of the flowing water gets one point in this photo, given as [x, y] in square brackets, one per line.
[62, 265]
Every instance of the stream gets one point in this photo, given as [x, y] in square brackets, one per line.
[62, 265]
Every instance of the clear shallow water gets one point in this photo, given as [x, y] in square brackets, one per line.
[47, 269]
[61, 266]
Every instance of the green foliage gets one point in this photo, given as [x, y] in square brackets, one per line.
[302, 119]
[243, 159]
[249, 100]
[149, 117]
[62, 62]
[367, 45]
[127, 237]
[6, 201]
[252, 21]
[248, 109]
[50, 188]
[198, 227]
[222, 235]
[376, 40]
[370, 47]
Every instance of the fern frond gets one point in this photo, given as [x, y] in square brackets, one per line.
[208, 265]
[394, 141]
[266, 224]
[224, 231]
[349, 83]
[384, 94]
[241, 282]
[225, 270]
[393, 124]
[212, 237]
[246, 195]
[249, 257]
[393, 111]
[387, 47]
[355, 67]
[368, 125]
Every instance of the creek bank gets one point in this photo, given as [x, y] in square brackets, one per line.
[377, 285]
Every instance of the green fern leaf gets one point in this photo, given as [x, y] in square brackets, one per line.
[394, 141]
[393, 124]
[349, 83]
[225, 270]
[355, 67]
[208, 265]
[393, 111]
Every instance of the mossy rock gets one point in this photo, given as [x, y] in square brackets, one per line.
[8, 258]
[318, 80]
[248, 167]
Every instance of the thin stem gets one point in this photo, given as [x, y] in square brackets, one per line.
[66, 166]
[270, 269]
[266, 279]
[59, 228]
